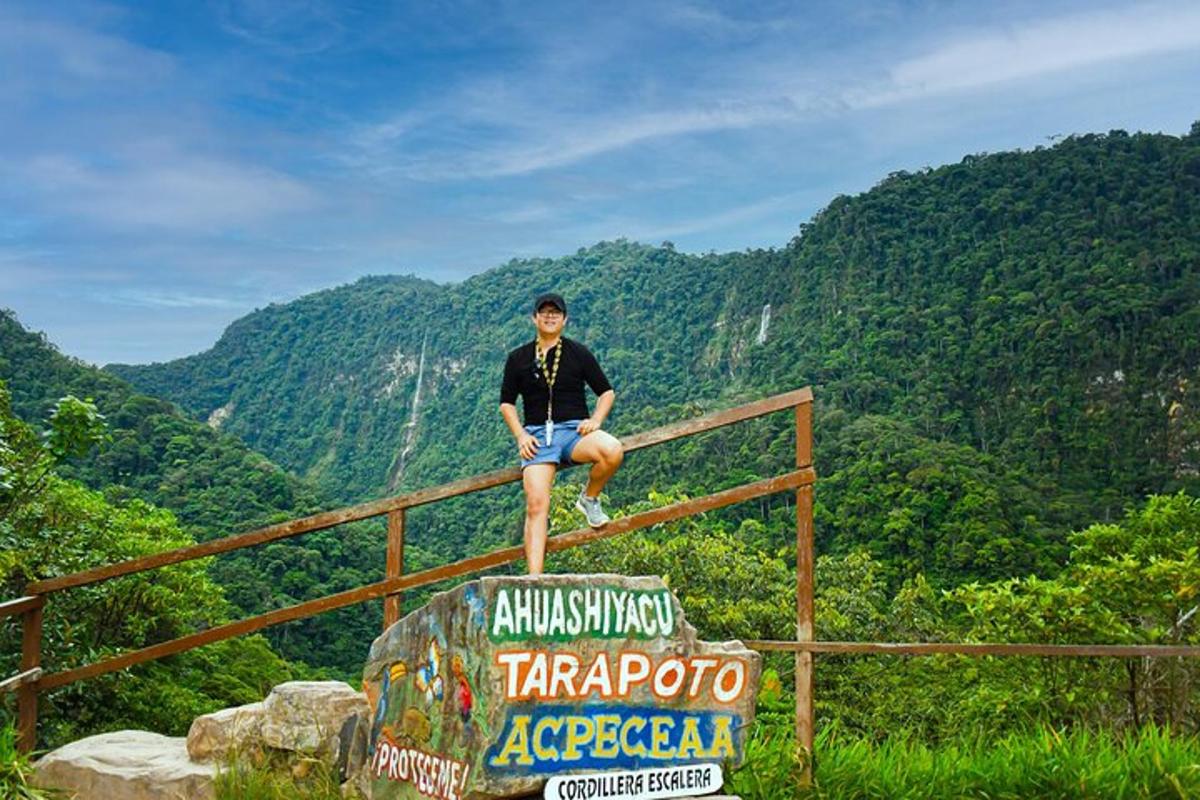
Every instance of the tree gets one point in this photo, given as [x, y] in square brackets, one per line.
[52, 526]
[1132, 582]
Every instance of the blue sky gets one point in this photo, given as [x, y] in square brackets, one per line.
[167, 167]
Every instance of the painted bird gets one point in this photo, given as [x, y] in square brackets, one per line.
[462, 691]
[428, 676]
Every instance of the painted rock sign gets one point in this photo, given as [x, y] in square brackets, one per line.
[504, 682]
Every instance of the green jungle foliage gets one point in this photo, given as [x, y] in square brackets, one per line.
[17, 771]
[50, 526]
[215, 486]
[1132, 582]
[1034, 763]
[213, 483]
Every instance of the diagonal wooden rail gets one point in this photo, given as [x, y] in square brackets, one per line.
[31, 680]
[466, 566]
[375, 508]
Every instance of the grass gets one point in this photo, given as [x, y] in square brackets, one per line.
[307, 779]
[16, 771]
[1041, 763]
[1038, 764]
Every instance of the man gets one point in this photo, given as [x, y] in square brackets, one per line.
[550, 373]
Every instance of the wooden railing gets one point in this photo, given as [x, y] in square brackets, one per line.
[31, 680]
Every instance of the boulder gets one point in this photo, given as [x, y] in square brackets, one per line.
[500, 683]
[126, 765]
[230, 730]
[308, 716]
[326, 719]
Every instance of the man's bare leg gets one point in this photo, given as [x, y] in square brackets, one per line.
[604, 452]
[538, 478]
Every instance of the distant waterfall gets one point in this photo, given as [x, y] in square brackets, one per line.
[763, 323]
[410, 427]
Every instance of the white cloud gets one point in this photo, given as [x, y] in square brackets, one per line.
[712, 23]
[21, 271]
[526, 214]
[594, 137]
[148, 298]
[382, 134]
[640, 230]
[90, 135]
[554, 140]
[180, 192]
[575, 94]
[731, 216]
[500, 125]
[1040, 48]
[291, 27]
[67, 52]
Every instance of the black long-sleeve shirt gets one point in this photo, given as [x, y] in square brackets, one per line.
[523, 376]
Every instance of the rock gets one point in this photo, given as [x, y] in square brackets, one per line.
[126, 765]
[326, 719]
[307, 716]
[231, 730]
[352, 745]
[502, 682]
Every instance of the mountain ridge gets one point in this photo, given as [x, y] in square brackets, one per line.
[937, 255]
[215, 485]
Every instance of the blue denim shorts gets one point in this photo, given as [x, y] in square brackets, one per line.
[559, 450]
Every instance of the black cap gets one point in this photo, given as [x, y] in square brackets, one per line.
[551, 298]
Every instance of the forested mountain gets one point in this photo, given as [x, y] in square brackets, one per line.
[394, 381]
[1001, 349]
[215, 485]
[51, 525]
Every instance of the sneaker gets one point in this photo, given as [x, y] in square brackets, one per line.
[590, 506]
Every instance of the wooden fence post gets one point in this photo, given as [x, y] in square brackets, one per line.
[27, 694]
[395, 564]
[804, 594]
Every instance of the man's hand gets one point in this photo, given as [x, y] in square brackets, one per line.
[588, 425]
[527, 444]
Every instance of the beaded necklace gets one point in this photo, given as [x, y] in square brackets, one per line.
[550, 377]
